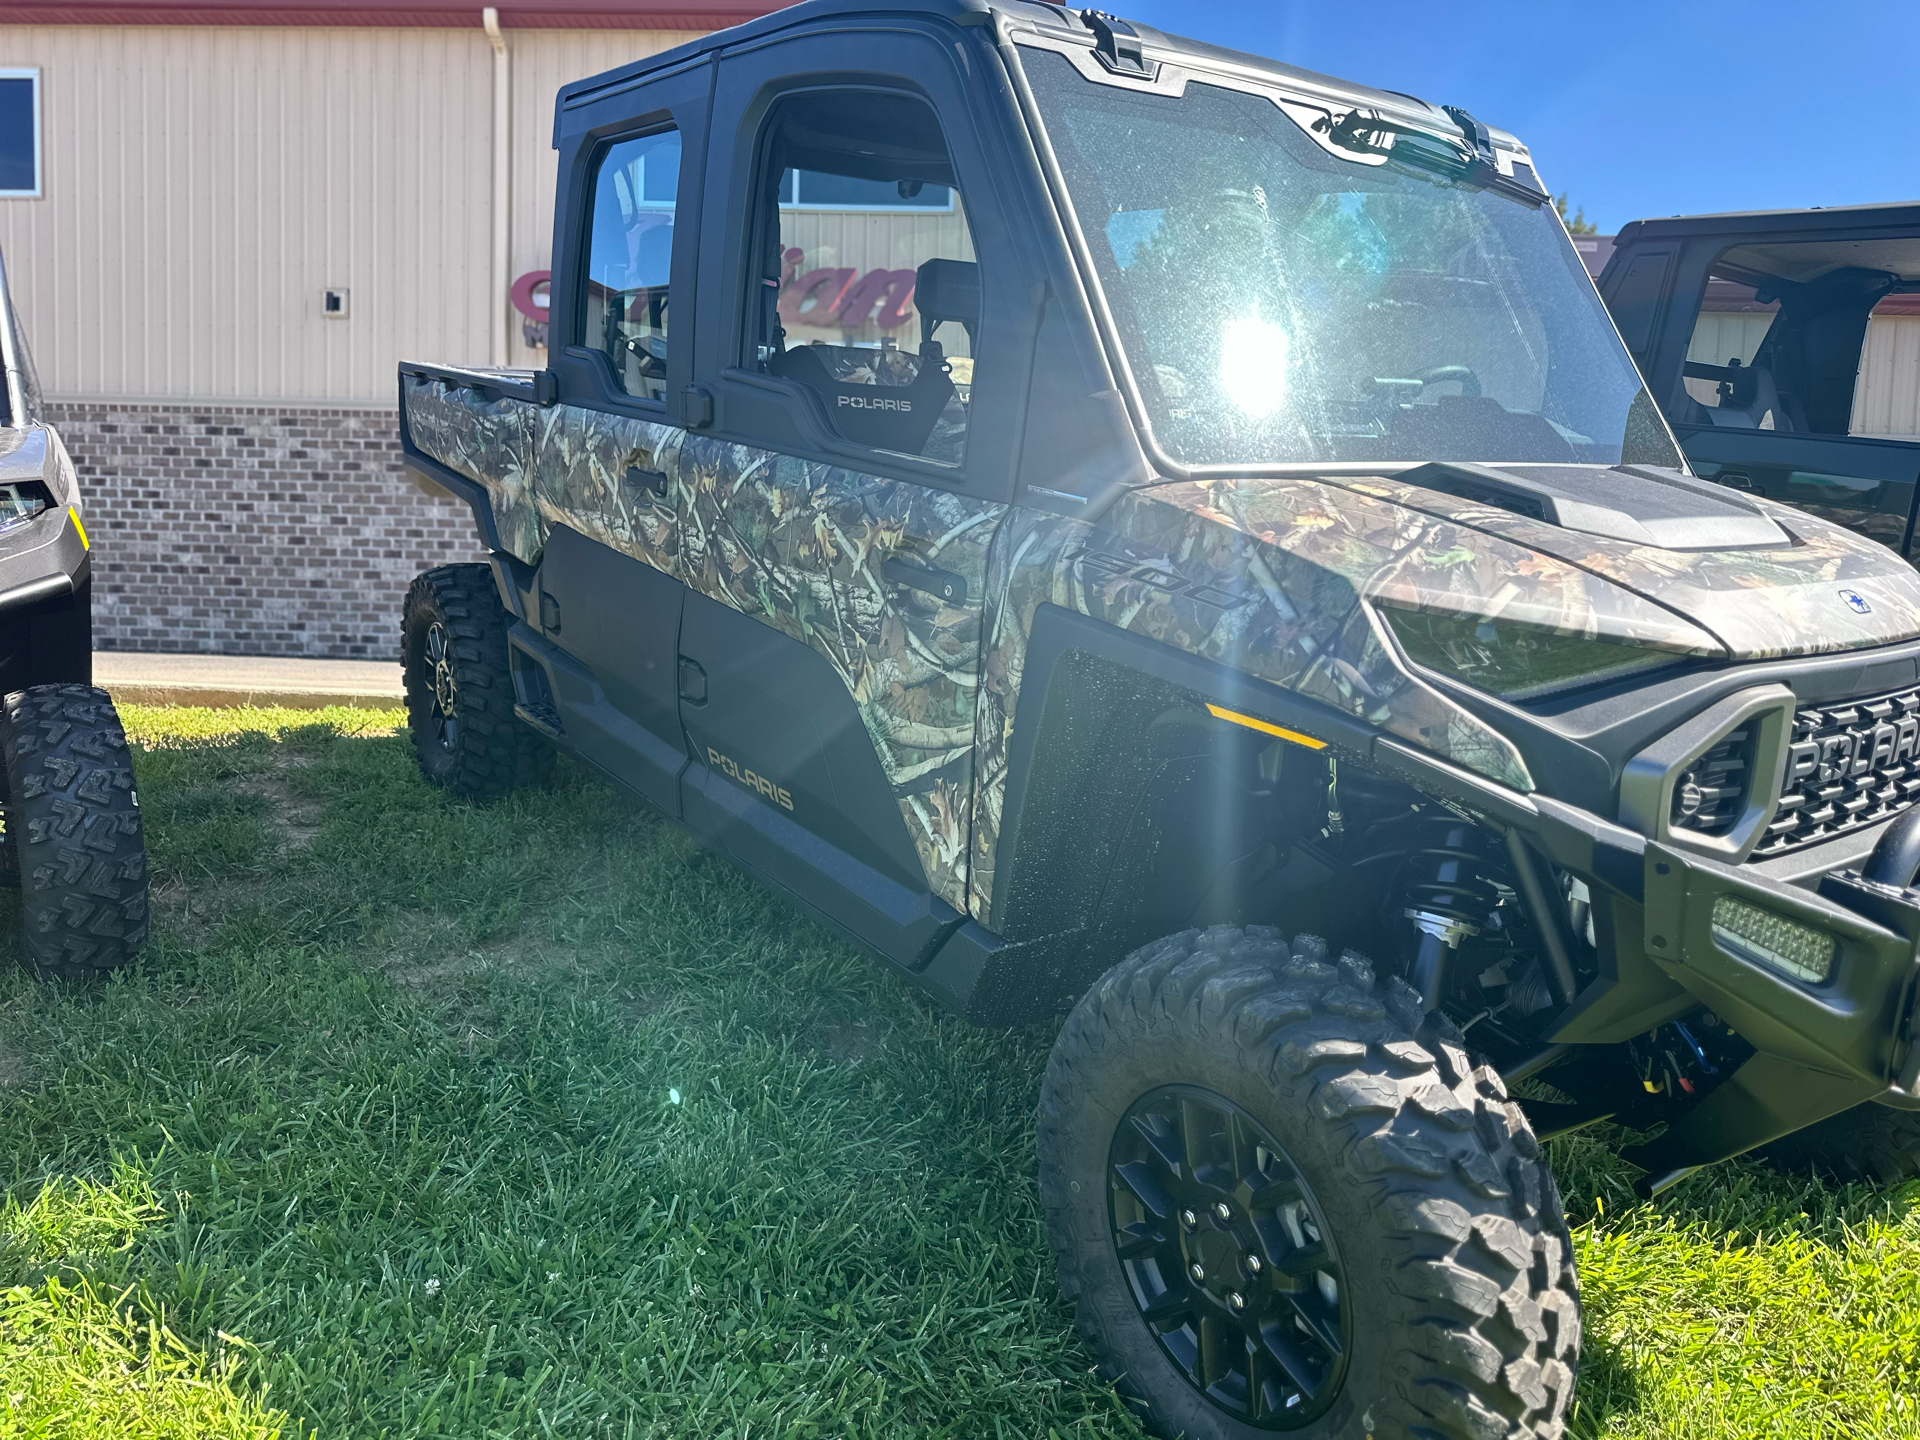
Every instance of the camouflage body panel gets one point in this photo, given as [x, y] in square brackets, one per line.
[797, 545]
[491, 441]
[1264, 576]
[803, 546]
[1760, 604]
[585, 480]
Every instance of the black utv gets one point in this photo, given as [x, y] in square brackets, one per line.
[1121, 528]
[1779, 343]
[69, 818]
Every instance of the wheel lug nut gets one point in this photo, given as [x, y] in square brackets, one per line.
[1237, 1300]
[1253, 1264]
[1189, 1219]
[1198, 1271]
[1223, 1210]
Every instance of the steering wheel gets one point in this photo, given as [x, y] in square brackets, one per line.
[1468, 382]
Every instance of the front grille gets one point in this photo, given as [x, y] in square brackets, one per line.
[1711, 795]
[1849, 765]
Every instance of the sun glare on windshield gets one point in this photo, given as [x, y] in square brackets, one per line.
[1253, 365]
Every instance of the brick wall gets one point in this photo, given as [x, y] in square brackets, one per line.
[256, 530]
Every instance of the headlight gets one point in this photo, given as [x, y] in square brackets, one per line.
[1515, 660]
[21, 502]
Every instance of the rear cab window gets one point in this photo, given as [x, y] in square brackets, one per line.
[625, 309]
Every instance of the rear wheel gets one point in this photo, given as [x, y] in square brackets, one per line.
[1871, 1142]
[1284, 1200]
[73, 838]
[460, 689]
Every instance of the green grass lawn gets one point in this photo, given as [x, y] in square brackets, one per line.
[423, 1119]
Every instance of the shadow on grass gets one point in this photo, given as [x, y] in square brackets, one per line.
[477, 1119]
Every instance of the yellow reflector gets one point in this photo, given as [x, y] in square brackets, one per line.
[1265, 728]
[1772, 940]
[78, 528]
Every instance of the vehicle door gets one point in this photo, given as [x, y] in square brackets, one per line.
[867, 369]
[626, 233]
[1769, 367]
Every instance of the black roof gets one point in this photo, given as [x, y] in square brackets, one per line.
[978, 12]
[1898, 217]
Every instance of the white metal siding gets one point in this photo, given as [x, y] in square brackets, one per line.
[1721, 336]
[543, 61]
[204, 186]
[1886, 398]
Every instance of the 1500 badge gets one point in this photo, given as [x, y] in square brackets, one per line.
[740, 775]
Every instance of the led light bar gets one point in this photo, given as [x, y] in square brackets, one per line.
[1793, 949]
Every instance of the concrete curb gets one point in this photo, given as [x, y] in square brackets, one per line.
[220, 698]
[232, 680]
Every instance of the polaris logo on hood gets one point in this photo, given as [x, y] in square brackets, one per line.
[1856, 602]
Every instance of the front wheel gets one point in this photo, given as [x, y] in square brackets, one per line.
[1284, 1200]
[73, 830]
[453, 650]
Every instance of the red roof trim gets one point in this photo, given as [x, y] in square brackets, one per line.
[436, 14]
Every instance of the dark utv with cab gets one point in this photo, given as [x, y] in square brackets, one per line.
[1770, 340]
[1118, 526]
[69, 818]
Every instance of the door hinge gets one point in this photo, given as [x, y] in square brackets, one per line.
[698, 407]
[549, 614]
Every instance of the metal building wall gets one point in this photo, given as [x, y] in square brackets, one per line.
[1886, 400]
[204, 186]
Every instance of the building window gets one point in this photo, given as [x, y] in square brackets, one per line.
[19, 133]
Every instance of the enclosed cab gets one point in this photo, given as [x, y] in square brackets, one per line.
[1785, 348]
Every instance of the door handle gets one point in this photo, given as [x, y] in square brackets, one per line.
[941, 584]
[653, 480]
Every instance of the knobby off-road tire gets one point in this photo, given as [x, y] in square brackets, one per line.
[73, 827]
[1872, 1143]
[453, 650]
[1461, 1312]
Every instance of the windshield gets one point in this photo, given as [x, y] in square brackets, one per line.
[1280, 304]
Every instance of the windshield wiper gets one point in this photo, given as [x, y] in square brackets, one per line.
[1468, 161]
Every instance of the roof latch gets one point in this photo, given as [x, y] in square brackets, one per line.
[1477, 134]
[1117, 44]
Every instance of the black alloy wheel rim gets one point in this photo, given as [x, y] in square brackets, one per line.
[1228, 1257]
[445, 712]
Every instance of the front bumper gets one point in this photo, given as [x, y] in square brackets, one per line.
[1853, 1021]
[1820, 981]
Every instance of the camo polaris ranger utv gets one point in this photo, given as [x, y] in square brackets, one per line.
[69, 819]
[1121, 527]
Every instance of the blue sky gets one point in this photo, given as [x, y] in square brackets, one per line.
[1632, 108]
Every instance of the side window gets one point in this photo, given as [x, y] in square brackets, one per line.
[867, 291]
[1719, 374]
[19, 133]
[629, 256]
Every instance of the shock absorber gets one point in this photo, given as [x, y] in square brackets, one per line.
[1445, 892]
